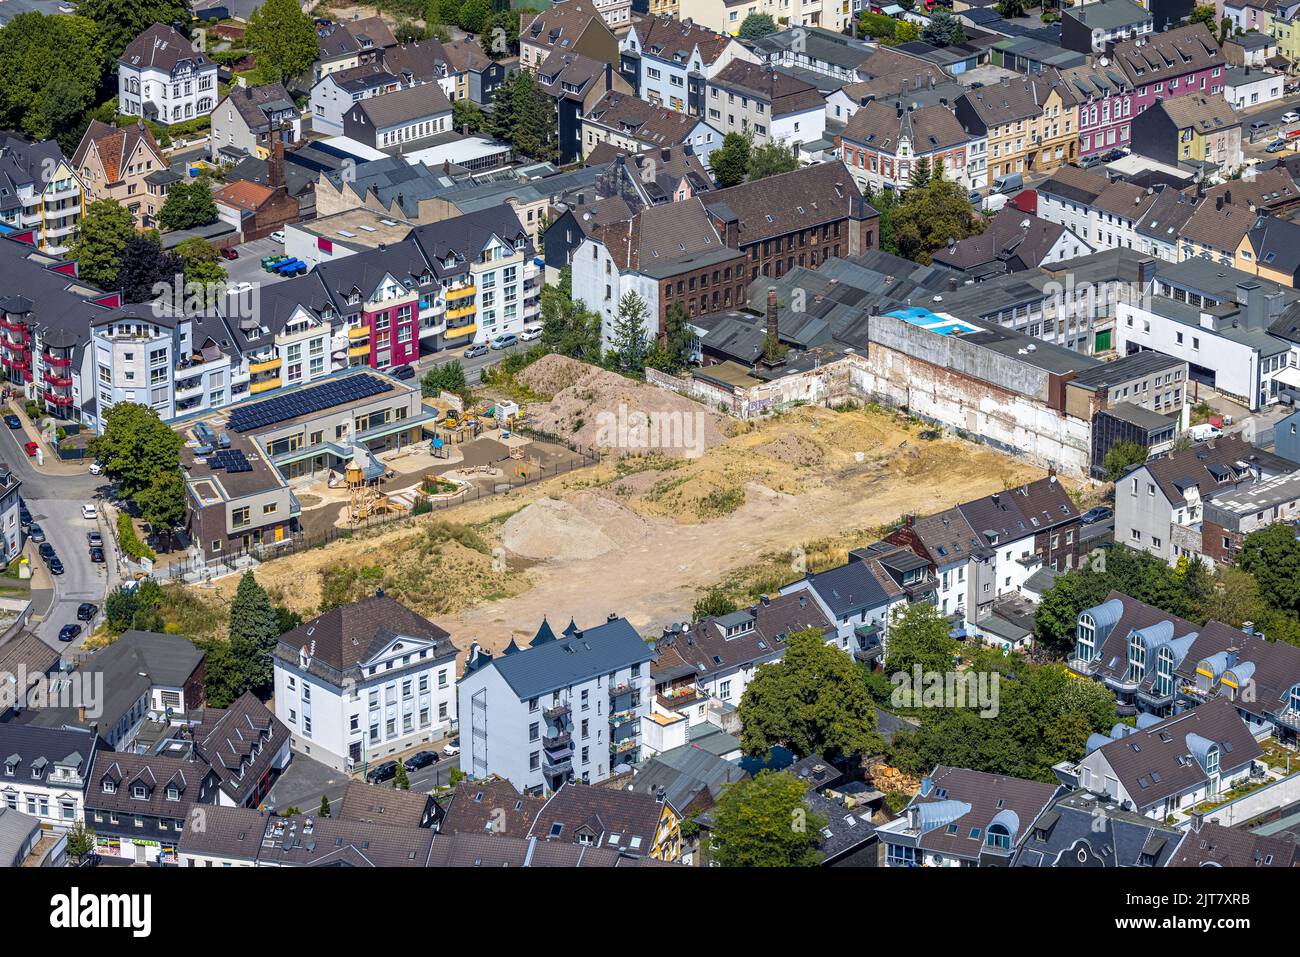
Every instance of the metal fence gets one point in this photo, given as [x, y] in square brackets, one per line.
[424, 504]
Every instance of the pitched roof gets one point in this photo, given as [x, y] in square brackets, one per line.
[1196, 467]
[244, 195]
[661, 234]
[631, 116]
[403, 106]
[1265, 190]
[1220, 227]
[1157, 57]
[623, 820]
[257, 104]
[1012, 237]
[371, 32]
[240, 742]
[305, 841]
[1021, 511]
[1212, 844]
[1019, 98]
[493, 805]
[561, 26]
[776, 205]
[345, 636]
[162, 48]
[1202, 113]
[1275, 243]
[157, 774]
[30, 745]
[961, 804]
[1105, 834]
[671, 39]
[608, 647]
[1075, 184]
[377, 804]
[115, 146]
[785, 93]
[879, 126]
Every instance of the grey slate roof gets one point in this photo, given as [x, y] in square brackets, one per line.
[1077, 830]
[537, 670]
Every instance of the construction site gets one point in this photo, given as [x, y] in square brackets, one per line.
[645, 531]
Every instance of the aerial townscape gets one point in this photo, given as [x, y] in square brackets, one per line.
[678, 433]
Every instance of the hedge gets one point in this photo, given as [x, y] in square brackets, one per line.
[131, 543]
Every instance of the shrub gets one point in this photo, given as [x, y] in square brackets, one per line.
[131, 543]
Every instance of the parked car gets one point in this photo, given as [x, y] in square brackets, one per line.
[1113, 155]
[97, 555]
[46, 551]
[451, 749]
[88, 512]
[36, 534]
[1291, 116]
[95, 468]
[278, 237]
[229, 252]
[477, 349]
[402, 372]
[25, 518]
[94, 540]
[531, 331]
[1009, 183]
[383, 772]
[56, 566]
[1088, 162]
[1258, 125]
[1098, 514]
[13, 422]
[32, 448]
[87, 611]
[974, 198]
[505, 341]
[68, 632]
[421, 759]
[1276, 146]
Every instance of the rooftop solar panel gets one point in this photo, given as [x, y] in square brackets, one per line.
[311, 399]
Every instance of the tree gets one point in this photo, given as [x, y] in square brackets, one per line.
[136, 445]
[81, 841]
[145, 267]
[283, 40]
[466, 115]
[904, 32]
[200, 263]
[524, 116]
[1202, 14]
[474, 16]
[1010, 9]
[713, 603]
[931, 215]
[254, 632]
[672, 352]
[569, 329]
[188, 205]
[102, 235]
[943, 29]
[772, 158]
[811, 701]
[919, 634]
[324, 806]
[501, 35]
[119, 23]
[763, 822]
[1272, 555]
[402, 781]
[630, 332]
[50, 68]
[1225, 30]
[444, 377]
[1120, 456]
[223, 680]
[886, 204]
[729, 163]
[877, 26]
[756, 26]
[920, 173]
[162, 504]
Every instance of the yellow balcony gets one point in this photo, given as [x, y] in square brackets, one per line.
[269, 365]
[357, 352]
[264, 386]
[461, 331]
[462, 312]
[461, 293]
[359, 332]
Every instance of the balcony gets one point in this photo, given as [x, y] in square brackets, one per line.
[461, 293]
[266, 365]
[461, 331]
[359, 332]
[359, 352]
[58, 399]
[60, 361]
[557, 712]
[13, 325]
[264, 386]
[54, 379]
[620, 718]
[461, 312]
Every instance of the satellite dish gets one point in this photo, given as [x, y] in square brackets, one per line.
[1104, 61]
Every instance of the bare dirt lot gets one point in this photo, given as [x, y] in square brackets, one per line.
[642, 536]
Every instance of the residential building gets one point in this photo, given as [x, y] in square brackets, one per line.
[576, 83]
[1029, 123]
[1249, 16]
[881, 143]
[1095, 27]
[23, 843]
[1209, 844]
[254, 209]
[489, 805]
[1077, 830]
[575, 26]
[1245, 87]
[566, 708]
[669, 63]
[964, 818]
[343, 46]
[1194, 128]
[707, 665]
[41, 195]
[1269, 250]
[1159, 506]
[860, 596]
[163, 78]
[246, 746]
[1251, 49]
[250, 118]
[633, 125]
[123, 163]
[393, 807]
[766, 104]
[1229, 517]
[139, 805]
[726, 16]
[1105, 106]
[1163, 66]
[809, 51]
[334, 94]
[1013, 242]
[627, 821]
[45, 772]
[1170, 765]
[400, 117]
[365, 681]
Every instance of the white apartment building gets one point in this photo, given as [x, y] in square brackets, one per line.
[161, 77]
[43, 772]
[675, 59]
[365, 681]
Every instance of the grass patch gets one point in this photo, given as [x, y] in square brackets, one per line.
[721, 502]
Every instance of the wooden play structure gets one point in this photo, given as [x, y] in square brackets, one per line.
[365, 499]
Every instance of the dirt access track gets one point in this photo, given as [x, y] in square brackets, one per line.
[643, 536]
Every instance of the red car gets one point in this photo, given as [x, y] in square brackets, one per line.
[229, 252]
[31, 448]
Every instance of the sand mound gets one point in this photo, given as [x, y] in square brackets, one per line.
[584, 525]
[601, 409]
[793, 449]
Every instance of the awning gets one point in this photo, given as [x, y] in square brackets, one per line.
[1290, 375]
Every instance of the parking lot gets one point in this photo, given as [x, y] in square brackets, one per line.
[248, 267]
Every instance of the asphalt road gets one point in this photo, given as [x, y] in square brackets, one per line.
[12, 8]
[55, 503]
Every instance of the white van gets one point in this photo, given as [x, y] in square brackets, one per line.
[531, 331]
[1204, 432]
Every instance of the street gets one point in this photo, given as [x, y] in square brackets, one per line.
[55, 503]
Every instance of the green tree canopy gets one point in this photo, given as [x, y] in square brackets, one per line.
[931, 215]
[466, 114]
[673, 353]
[567, 328]
[283, 40]
[630, 332]
[135, 447]
[763, 822]
[943, 29]
[101, 240]
[1272, 555]
[119, 23]
[713, 603]
[188, 205]
[756, 26]
[524, 116]
[811, 701]
[729, 163]
[919, 634]
[201, 263]
[444, 377]
[254, 632]
[474, 15]
[50, 69]
[772, 158]
[162, 504]
[1120, 456]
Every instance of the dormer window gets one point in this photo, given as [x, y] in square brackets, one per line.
[139, 791]
[110, 787]
[173, 793]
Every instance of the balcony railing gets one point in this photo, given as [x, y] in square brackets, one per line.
[53, 360]
[58, 399]
[461, 312]
[55, 379]
[265, 365]
[556, 712]
[461, 331]
[264, 386]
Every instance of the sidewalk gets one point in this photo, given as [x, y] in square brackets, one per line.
[52, 465]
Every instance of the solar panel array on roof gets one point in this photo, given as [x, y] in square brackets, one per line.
[231, 461]
[313, 399]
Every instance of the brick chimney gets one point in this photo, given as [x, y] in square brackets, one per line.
[771, 314]
[275, 167]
